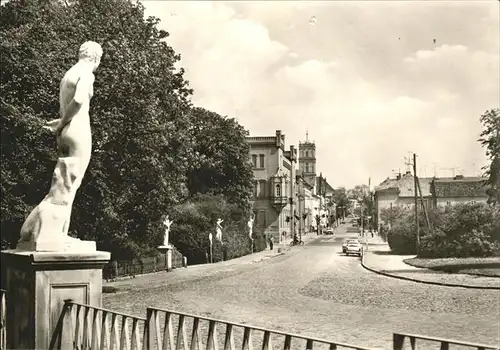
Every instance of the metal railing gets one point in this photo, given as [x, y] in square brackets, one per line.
[91, 328]
[181, 331]
[3, 320]
[398, 341]
[88, 327]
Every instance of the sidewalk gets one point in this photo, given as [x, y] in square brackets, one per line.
[377, 258]
[160, 278]
[282, 248]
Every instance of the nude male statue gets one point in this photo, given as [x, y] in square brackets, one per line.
[49, 221]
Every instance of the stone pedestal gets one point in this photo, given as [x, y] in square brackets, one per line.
[167, 250]
[37, 283]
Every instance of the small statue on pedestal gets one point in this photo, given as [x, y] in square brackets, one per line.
[250, 226]
[218, 230]
[167, 224]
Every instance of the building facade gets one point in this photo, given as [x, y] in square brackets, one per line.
[436, 192]
[459, 189]
[274, 195]
[400, 192]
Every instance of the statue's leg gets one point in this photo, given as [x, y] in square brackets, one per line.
[73, 179]
[30, 226]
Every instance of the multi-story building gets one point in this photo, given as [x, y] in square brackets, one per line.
[307, 201]
[307, 161]
[274, 185]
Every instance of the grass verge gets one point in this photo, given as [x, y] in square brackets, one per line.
[474, 266]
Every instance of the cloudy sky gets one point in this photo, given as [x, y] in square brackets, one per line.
[371, 81]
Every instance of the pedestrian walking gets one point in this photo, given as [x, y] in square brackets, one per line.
[271, 243]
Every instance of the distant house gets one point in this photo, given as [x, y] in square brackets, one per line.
[436, 192]
[458, 189]
[400, 192]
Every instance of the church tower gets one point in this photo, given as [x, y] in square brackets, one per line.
[307, 160]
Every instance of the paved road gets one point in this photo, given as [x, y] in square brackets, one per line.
[314, 290]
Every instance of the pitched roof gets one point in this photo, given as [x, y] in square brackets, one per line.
[387, 184]
[405, 185]
[460, 187]
[326, 186]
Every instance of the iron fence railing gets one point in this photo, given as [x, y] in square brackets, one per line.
[89, 327]
[134, 267]
[181, 331]
[399, 342]
[92, 328]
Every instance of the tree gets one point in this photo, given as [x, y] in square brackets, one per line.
[340, 198]
[358, 192]
[490, 138]
[142, 149]
[222, 149]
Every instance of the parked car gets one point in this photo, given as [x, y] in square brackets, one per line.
[328, 231]
[348, 241]
[354, 248]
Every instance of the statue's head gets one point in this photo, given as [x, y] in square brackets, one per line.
[91, 51]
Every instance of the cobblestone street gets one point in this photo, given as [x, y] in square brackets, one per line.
[314, 290]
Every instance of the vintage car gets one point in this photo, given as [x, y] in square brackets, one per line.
[346, 242]
[355, 248]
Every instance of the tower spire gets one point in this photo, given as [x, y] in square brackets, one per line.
[307, 135]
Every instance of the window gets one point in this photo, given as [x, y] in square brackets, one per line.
[312, 168]
[307, 153]
[255, 189]
[261, 158]
[262, 189]
[307, 167]
[278, 190]
[254, 160]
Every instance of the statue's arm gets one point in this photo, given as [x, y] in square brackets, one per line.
[82, 93]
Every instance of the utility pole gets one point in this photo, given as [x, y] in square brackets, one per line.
[416, 199]
[320, 202]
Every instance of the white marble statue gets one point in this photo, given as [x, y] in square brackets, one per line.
[46, 227]
[250, 226]
[218, 230]
[167, 224]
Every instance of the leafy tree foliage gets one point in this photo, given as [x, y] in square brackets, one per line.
[490, 138]
[340, 198]
[462, 230]
[220, 143]
[147, 139]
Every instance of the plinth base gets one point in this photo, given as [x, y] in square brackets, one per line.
[37, 283]
[73, 245]
[167, 249]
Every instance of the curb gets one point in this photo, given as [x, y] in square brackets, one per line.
[422, 281]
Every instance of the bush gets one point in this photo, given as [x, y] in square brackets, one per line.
[465, 230]
[195, 219]
[402, 238]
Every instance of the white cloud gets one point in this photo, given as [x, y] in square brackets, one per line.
[367, 81]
